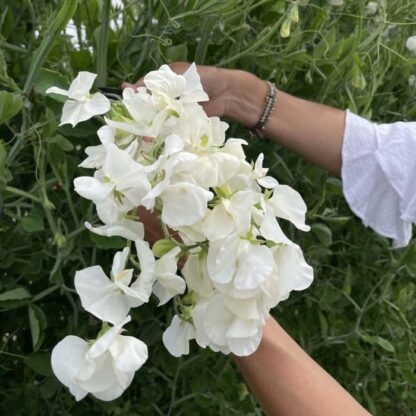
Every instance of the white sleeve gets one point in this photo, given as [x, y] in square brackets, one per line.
[379, 175]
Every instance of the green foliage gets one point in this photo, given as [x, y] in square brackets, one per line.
[358, 318]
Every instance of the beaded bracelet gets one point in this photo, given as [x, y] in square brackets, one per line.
[271, 97]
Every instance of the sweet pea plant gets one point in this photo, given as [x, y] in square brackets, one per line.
[159, 150]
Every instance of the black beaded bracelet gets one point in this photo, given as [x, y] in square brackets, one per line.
[271, 97]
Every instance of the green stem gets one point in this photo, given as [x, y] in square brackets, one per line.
[58, 23]
[255, 45]
[14, 48]
[45, 293]
[102, 45]
[23, 194]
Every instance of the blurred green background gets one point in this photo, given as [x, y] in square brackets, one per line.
[357, 319]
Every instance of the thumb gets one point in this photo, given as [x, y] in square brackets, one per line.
[127, 85]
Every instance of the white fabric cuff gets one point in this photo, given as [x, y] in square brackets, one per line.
[379, 175]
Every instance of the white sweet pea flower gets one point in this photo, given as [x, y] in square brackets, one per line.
[183, 202]
[287, 203]
[336, 2]
[292, 273]
[108, 136]
[259, 174]
[104, 369]
[231, 215]
[412, 80]
[235, 147]
[244, 179]
[96, 154]
[215, 169]
[168, 284]
[220, 329]
[411, 44]
[177, 336]
[191, 234]
[146, 116]
[238, 261]
[118, 187]
[128, 229]
[111, 299]
[201, 134]
[196, 275]
[270, 228]
[81, 105]
[169, 86]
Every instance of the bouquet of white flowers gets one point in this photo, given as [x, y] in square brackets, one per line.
[161, 151]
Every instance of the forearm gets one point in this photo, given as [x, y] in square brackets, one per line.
[286, 381]
[312, 130]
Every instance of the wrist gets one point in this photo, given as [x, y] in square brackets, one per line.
[245, 97]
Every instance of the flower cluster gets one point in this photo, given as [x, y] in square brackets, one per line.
[219, 214]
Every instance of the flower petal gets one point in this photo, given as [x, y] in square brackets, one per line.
[215, 169]
[288, 204]
[166, 82]
[116, 390]
[177, 336]
[96, 105]
[128, 229]
[254, 268]
[267, 182]
[194, 91]
[120, 261]
[96, 157]
[56, 90]
[221, 260]
[218, 223]
[102, 344]
[129, 353]
[81, 85]
[293, 271]
[168, 284]
[91, 188]
[99, 296]
[107, 135]
[184, 204]
[270, 228]
[246, 346]
[67, 360]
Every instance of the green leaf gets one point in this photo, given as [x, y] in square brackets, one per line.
[57, 22]
[107, 242]
[323, 233]
[384, 343]
[47, 78]
[408, 259]
[10, 105]
[323, 323]
[5, 175]
[38, 323]
[32, 223]
[61, 141]
[177, 53]
[15, 294]
[40, 363]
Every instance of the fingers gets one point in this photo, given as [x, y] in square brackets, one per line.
[179, 67]
[127, 85]
[136, 85]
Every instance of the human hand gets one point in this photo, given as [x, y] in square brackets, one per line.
[232, 93]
